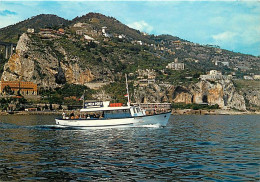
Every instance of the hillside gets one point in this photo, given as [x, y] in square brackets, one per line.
[85, 53]
[113, 26]
[11, 33]
[163, 48]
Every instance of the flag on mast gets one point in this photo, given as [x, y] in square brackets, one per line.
[82, 97]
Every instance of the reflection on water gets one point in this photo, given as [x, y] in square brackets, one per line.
[190, 148]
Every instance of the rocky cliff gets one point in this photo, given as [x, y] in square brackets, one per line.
[46, 65]
[250, 90]
[221, 92]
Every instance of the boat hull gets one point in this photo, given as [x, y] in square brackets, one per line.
[157, 120]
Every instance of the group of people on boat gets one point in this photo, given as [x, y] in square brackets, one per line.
[82, 116]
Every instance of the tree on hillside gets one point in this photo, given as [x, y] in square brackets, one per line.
[7, 90]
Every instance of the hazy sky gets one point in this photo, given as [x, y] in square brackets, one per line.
[233, 25]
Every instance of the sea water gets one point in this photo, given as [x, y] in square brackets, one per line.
[190, 148]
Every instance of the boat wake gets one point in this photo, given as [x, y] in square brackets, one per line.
[148, 126]
[54, 127]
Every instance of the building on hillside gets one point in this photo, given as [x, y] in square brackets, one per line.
[175, 65]
[256, 77]
[122, 36]
[222, 63]
[225, 63]
[78, 25]
[147, 73]
[79, 32]
[104, 30]
[88, 38]
[243, 68]
[144, 82]
[61, 31]
[104, 33]
[26, 88]
[46, 31]
[30, 30]
[139, 42]
[215, 75]
[246, 77]
[215, 72]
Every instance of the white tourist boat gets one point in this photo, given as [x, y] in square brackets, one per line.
[102, 114]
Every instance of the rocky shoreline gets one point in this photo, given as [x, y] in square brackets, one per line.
[212, 112]
[174, 112]
[31, 113]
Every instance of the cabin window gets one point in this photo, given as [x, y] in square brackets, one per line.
[122, 113]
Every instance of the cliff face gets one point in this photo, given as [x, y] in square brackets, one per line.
[250, 89]
[221, 92]
[19, 66]
[43, 64]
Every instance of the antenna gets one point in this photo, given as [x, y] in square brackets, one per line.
[128, 100]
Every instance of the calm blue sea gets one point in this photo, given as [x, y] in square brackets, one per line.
[190, 148]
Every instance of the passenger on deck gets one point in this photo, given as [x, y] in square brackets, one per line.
[63, 115]
[72, 115]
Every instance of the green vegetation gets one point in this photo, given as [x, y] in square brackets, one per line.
[10, 103]
[247, 84]
[12, 33]
[68, 94]
[117, 90]
[7, 90]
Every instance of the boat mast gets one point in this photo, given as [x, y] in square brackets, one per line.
[83, 104]
[127, 92]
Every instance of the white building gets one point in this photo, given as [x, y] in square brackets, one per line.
[30, 30]
[225, 63]
[88, 38]
[78, 25]
[175, 65]
[246, 77]
[215, 75]
[139, 42]
[256, 77]
[215, 72]
[150, 74]
[79, 32]
[104, 30]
